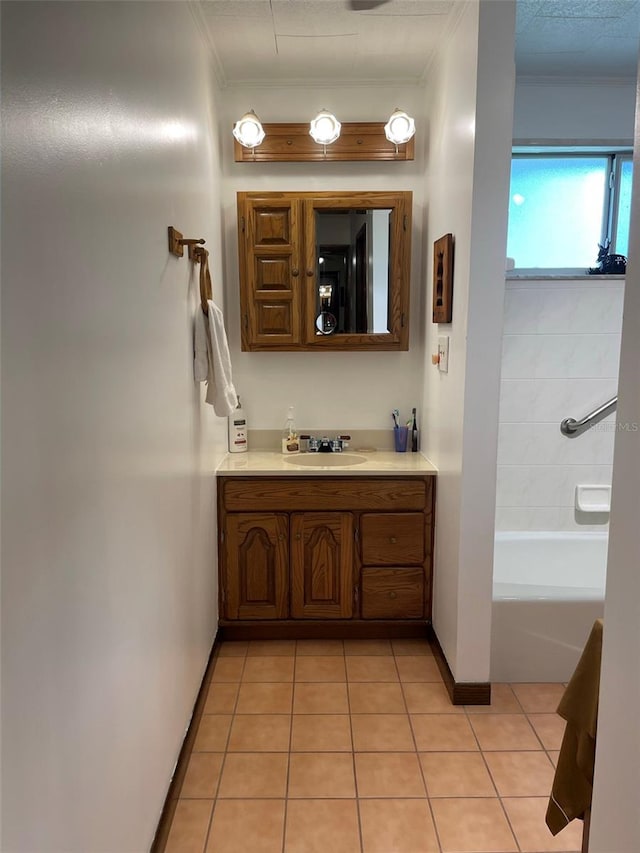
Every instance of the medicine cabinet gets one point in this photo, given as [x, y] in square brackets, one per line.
[324, 270]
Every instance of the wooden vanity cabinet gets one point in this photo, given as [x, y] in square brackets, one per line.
[322, 550]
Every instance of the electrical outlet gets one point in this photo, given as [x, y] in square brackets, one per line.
[443, 353]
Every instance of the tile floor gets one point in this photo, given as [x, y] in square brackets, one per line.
[338, 746]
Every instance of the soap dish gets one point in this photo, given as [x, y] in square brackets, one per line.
[593, 498]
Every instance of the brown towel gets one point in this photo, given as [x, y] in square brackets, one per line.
[573, 782]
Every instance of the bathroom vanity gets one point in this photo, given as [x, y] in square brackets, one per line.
[325, 551]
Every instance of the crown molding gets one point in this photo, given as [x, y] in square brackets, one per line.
[197, 14]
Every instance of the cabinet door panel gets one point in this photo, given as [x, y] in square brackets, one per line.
[270, 272]
[322, 565]
[257, 566]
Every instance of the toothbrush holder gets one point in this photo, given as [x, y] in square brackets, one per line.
[400, 435]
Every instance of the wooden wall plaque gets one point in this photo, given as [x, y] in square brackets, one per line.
[443, 279]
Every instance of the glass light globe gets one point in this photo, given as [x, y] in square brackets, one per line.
[248, 130]
[325, 128]
[400, 127]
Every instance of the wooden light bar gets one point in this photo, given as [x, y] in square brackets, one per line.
[291, 143]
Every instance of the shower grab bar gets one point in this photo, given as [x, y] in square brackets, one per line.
[572, 428]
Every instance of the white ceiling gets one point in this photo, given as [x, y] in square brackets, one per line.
[275, 42]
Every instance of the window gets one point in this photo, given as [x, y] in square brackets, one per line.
[562, 205]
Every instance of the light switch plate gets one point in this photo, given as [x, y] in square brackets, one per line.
[443, 352]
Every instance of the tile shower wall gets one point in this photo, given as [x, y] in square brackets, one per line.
[560, 359]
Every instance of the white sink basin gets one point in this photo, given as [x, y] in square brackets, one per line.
[326, 460]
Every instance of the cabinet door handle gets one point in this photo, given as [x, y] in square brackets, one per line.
[295, 273]
[298, 536]
[393, 594]
[310, 273]
[393, 540]
[281, 538]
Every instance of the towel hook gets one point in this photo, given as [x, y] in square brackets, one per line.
[177, 243]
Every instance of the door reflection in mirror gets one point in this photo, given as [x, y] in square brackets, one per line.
[353, 271]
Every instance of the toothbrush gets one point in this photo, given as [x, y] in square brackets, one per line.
[395, 414]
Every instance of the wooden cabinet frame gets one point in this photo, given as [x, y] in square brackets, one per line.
[277, 267]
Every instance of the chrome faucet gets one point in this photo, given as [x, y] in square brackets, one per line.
[327, 445]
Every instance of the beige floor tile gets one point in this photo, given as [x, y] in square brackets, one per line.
[504, 731]
[376, 697]
[553, 756]
[503, 701]
[260, 733]
[321, 733]
[443, 733]
[262, 668]
[319, 647]
[382, 733]
[549, 728]
[272, 648]
[321, 774]
[527, 819]
[521, 774]
[251, 825]
[388, 774]
[202, 775]
[322, 826]
[233, 649]
[367, 647]
[320, 668]
[472, 826]
[417, 668]
[397, 826]
[539, 698]
[429, 699]
[271, 698]
[246, 775]
[456, 774]
[411, 647]
[310, 698]
[228, 669]
[189, 827]
[212, 733]
[371, 668]
[221, 698]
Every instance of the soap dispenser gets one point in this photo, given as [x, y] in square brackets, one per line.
[290, 440]
[237, 430]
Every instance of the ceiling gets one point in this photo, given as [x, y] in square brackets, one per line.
[275, 42]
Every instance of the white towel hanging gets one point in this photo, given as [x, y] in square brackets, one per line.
[212, 361]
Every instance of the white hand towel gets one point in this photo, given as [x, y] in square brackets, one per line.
[211, 344]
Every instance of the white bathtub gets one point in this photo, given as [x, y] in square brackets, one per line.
[548, 588]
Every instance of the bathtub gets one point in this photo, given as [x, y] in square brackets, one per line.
[548, 588]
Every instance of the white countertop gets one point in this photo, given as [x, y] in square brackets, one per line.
[259, 462]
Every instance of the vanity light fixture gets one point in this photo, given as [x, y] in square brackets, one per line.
[324, 128]
[248, 130]
[400, 127]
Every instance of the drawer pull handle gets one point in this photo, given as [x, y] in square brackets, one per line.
[393, 594]
[393, 540]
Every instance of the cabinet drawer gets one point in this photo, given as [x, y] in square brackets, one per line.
[244, 494]
[392, 539]
[392, 594]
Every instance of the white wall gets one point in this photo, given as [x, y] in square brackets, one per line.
[329, 390]
[585, 111]
[560, 357]
[468, 174]
[615, 826]
[108, 516]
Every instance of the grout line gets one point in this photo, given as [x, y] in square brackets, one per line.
[499, 798]
[353, 758]
[286, 787]
[421, 768]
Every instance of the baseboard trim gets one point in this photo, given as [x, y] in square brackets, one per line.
[171, 801]
[460, 692]
[292, 629]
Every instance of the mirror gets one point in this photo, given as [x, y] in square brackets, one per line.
[353, 273]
